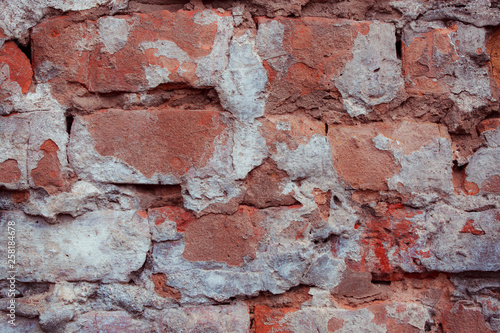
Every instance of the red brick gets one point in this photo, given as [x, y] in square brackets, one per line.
[161, 288]
[491, 184]
[20, 196]
[464, 320]
[47, 174]
[78, 54]
[365, 167]
[263, 187]
[316, 51]
[469, 227]
[494, 51]
[62, 50]
[426, 60]
[335, 324]
[19, 65]
[176, 214]
[269, 320]
[488, 125]
[156, 141]
[9, 171]
[224, 238]
[381, 236]
[293, 130]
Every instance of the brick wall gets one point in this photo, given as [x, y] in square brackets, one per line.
[251, 166]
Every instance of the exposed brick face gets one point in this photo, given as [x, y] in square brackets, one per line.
[155, 141]
[47, 174]
[224, 238]
[9, 171]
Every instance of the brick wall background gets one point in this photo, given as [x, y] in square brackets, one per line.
[262, 166]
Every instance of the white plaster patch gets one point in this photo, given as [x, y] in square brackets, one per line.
[156, 75]
[205, 17]
[39, 100]
[209, 68]
[16, 17]
[167, 49]
[100, 245]
[373, 76]
[426, 171]
[414, 314]
[249, 149]
[242, 86]
[113, 33]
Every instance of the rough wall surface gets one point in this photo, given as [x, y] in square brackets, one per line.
[250, 166]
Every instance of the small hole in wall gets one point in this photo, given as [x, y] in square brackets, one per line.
[25, 49]
[399, 46]
[382, 282]
[69, 123]
[337, 201]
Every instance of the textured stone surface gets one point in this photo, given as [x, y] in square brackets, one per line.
[112, 321]
[494, 51]
[17, 17]
[442, 239]
[101, 245]
[222, 238]
[282, 258]
[220, 319]
[483, 170]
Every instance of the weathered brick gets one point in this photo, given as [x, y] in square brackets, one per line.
[463, 319]
[442, 239]
[447, 59]
[9, 171]
[298, 145]
[388, 241]
[270, 320]
[224, 238]
[292, 130]
[309, 54]
[494, 51]
[385, 156]
[488, 125]
[482, 172]
[15, 67]
[62, 50]
[427, 58]
[218, 319]
[33, 147]
[264, 187]
[154, 146]
[108, 322]
[132, 52]
[383, 317]
[97, 246]
[166, 221]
